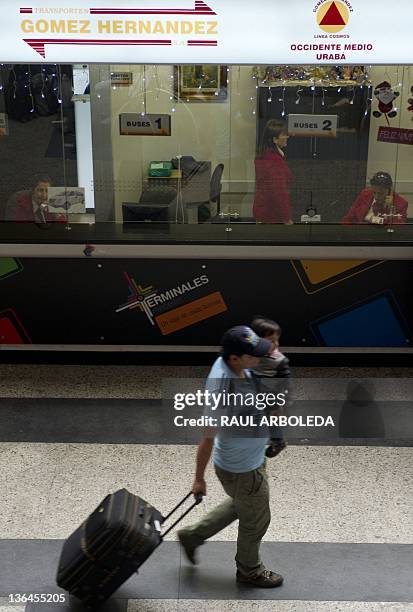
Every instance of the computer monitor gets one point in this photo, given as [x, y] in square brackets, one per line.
[139, 213]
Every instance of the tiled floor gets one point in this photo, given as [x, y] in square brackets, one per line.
[368, 489]
[336, 498]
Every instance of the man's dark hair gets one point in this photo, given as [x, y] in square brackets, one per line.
[227, 354]
[39, 178]
[264, 327]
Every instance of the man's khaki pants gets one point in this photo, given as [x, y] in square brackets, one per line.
[249, 503]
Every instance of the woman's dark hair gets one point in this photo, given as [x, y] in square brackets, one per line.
[273, 129]
[264, 327]
[381, 179]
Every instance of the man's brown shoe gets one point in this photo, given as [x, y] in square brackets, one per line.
[188, 546]
[266, 580]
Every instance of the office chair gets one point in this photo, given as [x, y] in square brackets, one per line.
[204, 209]
[8, 206]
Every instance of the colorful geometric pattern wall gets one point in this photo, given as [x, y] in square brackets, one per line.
[375, 321]
[343, 303]
[12, 330]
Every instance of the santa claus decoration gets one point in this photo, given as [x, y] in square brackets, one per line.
[385, 96]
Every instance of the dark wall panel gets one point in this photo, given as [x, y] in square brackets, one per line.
[184, 302]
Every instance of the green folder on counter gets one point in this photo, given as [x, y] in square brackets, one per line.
[160, 168]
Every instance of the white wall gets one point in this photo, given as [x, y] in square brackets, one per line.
[220, 132]
[127, 150]
[243, 129]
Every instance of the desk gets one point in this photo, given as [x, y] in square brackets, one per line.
[195, 188]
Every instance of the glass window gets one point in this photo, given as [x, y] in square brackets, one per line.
[251, 153]
[37, 140]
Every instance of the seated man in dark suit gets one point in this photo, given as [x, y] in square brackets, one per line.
[31, 206]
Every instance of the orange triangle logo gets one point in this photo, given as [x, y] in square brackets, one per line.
[332, 17]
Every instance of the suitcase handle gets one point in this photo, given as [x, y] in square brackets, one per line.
[198, 499]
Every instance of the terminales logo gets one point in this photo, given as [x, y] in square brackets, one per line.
[148, 298]
[332, 17]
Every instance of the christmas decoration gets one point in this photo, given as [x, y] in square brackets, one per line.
[385, 96]
[309, 75]
[33, 91]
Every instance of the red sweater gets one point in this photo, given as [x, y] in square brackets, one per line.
[363, 202]
[273, 178]
[23, 211]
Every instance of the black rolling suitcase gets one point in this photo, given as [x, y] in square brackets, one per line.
[111, 545]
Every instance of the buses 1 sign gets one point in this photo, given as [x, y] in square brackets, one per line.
[142, 124]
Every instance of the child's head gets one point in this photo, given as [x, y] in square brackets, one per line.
[266, 328]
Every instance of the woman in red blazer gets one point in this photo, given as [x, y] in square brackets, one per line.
[31, 206]
[378, 204]
[273, 178]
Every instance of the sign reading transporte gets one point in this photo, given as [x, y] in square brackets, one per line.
[141, 124]
[312, 125]
[206, 31]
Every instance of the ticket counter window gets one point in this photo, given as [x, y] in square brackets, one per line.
[205, 146]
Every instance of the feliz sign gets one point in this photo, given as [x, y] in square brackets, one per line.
[395, 135]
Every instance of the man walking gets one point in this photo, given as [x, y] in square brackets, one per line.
[239, 463]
